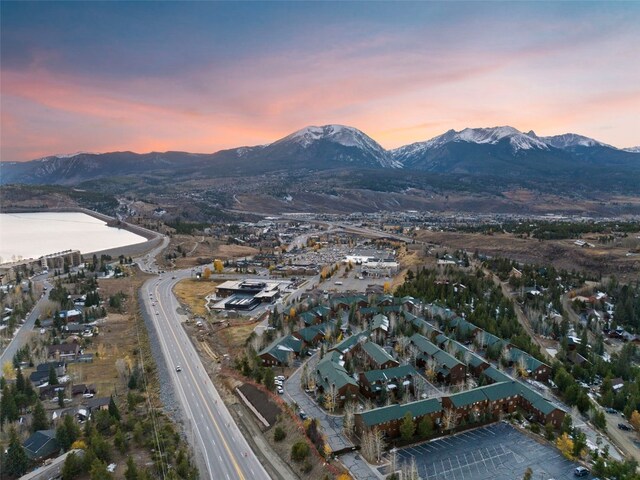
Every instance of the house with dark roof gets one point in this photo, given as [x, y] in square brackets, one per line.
[388, 419]
[281, 351]
[64, 351]
[374, 382]
[469, 405]
[346, 346]
[448, 368]
[331, 376]
[543, 411]
[98, 403]
[535, 368]
[42, 444]
[374, 356]
[314, 334]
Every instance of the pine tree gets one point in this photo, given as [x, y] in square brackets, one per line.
[16, 460]
[53, 377]
[39, 421]
[407, 427]
[72, 466]
[131, 473]
[113, 409]
[8, 408]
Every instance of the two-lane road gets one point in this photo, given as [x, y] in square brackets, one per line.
[25, 330]
[217, 438]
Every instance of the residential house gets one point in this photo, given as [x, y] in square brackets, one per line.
[535, 368]
[333, 379]
[281, 351]
[448, 369]
[388, 419]
[64, 351]
[374, 382]
[41, 445]
[375, 357]
[97, 403]
[468, 406]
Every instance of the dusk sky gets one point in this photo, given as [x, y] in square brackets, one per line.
[199, 77]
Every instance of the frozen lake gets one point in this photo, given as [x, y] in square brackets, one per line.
[32, 235]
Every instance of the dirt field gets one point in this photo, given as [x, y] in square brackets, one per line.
[116, 339]
[261, 402]
[192, 251]
[192, 293]
[605, 260]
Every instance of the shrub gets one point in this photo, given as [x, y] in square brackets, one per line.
[299, 451]
[307, 467]
[279, 434]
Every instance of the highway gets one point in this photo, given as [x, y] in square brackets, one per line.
[217, 439]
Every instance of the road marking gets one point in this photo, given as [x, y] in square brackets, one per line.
[206, 404]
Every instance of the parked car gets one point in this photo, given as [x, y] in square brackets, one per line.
[303, 416]
[624, 427]
[613, 411]
[178, 368]
[280, 390]
[581, 472]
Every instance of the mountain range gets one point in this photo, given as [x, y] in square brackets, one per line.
[499, 152]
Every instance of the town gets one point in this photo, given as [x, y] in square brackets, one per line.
[350, 339]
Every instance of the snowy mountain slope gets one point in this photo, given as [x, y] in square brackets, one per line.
[340, 135]
[569, 140]
[632, 149]
[492, 136]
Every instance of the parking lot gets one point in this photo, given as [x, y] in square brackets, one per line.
[497, 452]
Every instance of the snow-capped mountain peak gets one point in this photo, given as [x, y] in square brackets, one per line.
[342, 135]
[517, 140]
[568, 140]
[632, 149]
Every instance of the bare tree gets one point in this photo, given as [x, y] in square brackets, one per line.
[410, 470]
[413, 354]
[522, 366]
[378, 443]
[393, 460]
[349, 417]
[330, 398]
[368, 446]
[402, 343]
[122, 368]
[430, 369]
[449, 419]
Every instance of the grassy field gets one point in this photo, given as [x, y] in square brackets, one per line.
[601, 260]
[192, 292]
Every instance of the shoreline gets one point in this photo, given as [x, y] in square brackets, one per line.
[134, 249]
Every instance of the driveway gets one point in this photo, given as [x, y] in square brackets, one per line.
[331, 424]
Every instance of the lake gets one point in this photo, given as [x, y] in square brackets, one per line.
[32, 235]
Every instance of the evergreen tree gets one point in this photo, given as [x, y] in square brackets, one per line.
[67, 432]
[8, 408]
[72, 466]
[16, 461]
[99, 471]
[39, 421]
[407, 427]
[113, 409]
[53, 377]
[131, 473]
